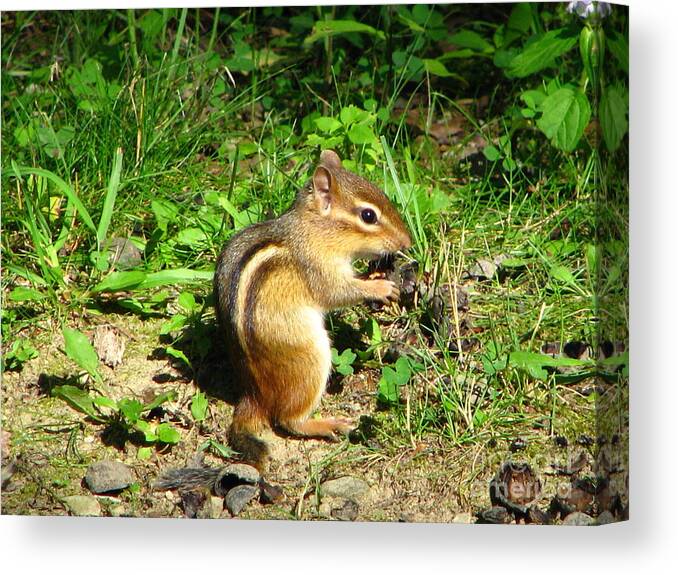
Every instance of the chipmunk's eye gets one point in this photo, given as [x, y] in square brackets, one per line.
[368, 216]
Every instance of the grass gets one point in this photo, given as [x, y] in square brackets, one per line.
[172, 129]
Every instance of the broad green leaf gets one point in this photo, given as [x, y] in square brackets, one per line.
[542, 52]
[324, 28]
[491, 153]
[103, 401]
[327, 124]
[187, 301]
[437, 68]
[131, 409]
[78, 399]
[199, 406]
[160, 399]
[80, 350]
[22, 293]
[472, 40]
[177, 354]
[174, 276]
[613, 116]
[361, 134]
[167, 434]
[120, 281]
[191, 237]
[565, 115]
[533, 98]
[534, 363]
[147, 429]
[563, 274]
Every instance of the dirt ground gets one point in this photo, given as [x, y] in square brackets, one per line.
[47, 447]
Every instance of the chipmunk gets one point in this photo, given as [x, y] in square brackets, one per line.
[273, 284]
[275, 280]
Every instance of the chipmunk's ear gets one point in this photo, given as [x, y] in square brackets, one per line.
[323, 186]
[330, 159]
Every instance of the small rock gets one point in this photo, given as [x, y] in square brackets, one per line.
[605, 518]
[346, 487]
[123, 254]
[346, 511]
[82, 505]
[465, 518]
[239, 496]
[579, 519]
[105, 476]
[216, 507]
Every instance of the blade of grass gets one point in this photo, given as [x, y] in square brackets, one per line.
[109, 201]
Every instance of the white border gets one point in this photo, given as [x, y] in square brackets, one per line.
[646, 543]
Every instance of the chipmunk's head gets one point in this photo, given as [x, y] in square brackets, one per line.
[358, 218]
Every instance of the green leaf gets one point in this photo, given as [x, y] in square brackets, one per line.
[541, 53]
[191, 237]
[220, 449]
[160, 399]
[174, 276]
[109, 200]
[327, 124]
[325, 28]
[63, 186]
[437, 68]
[80, 350]
[491, 153]
[472, 40]
[21, 294]
[361, 134]
[131, 409]
[102, 401]
[167, 434]
[79, 400]
[534, 363]
[120, 281]
[177, 354]
[146, 428]
[199, 406]
[565, 115]
[613, 116]
[186, 300]
[533, 98]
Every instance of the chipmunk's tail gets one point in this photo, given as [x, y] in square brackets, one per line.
[244, 435]
[188, 478]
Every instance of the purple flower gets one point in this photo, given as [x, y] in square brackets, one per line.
[586, 8]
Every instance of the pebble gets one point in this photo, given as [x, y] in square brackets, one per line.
[579, 519]
[347, 511]
[239, 496]
[105, 476]
[82, 505]
[346, 487]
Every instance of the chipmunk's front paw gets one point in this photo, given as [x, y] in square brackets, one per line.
[384, 290]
